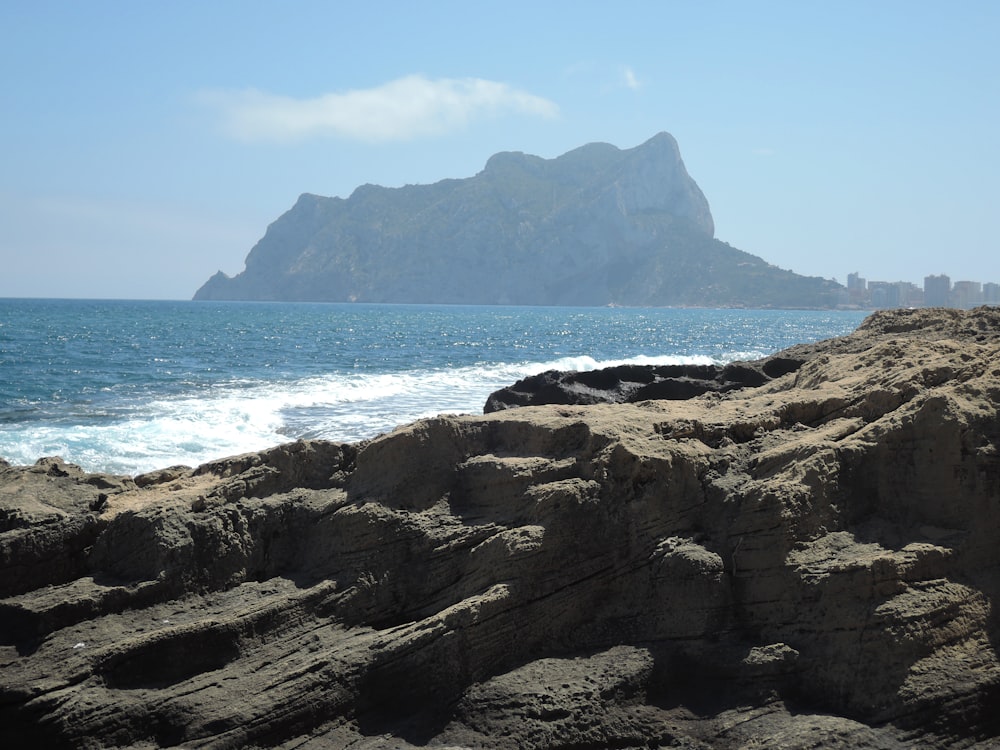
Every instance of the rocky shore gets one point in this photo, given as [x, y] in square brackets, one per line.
[808, 561]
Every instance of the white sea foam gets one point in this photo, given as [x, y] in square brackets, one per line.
[238, 417]
[132, 386]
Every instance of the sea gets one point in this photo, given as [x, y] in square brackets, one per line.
[126, 387]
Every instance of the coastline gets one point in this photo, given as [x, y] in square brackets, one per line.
[128, 388]
[812, 557]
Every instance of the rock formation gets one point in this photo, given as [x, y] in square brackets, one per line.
[812, 562]
[595, 226]
[632, 383]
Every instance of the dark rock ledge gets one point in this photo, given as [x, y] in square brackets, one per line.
[632, 383]
[812, 562]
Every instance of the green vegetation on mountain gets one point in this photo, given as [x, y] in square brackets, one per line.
[595, 226]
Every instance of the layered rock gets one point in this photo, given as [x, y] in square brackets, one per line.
[807, 563]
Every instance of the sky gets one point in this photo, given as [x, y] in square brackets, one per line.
[145, 146]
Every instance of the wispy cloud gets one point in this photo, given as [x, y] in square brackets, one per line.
[631, 82]
[402, 109]
[605, 77]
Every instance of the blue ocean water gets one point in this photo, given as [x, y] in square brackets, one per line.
[127, 387]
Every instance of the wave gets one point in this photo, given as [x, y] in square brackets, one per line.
[251, 415]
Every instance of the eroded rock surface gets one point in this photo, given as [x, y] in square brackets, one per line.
[808, 563]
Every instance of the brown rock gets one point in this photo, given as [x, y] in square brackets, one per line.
[808, 563]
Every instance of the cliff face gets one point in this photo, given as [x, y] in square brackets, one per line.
[595, 226]
[807, 563]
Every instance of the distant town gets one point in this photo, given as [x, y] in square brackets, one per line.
[938, 291]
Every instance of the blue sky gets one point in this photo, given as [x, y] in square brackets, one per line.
[144, 146]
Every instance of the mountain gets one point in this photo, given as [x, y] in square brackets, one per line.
[595, 226]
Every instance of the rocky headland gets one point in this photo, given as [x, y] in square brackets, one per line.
[808, 561]
[595, 226]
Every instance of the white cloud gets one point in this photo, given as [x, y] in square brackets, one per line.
[398, 110]
[606, 78]
[630, 80]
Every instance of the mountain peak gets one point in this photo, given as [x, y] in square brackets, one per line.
[597, 225]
